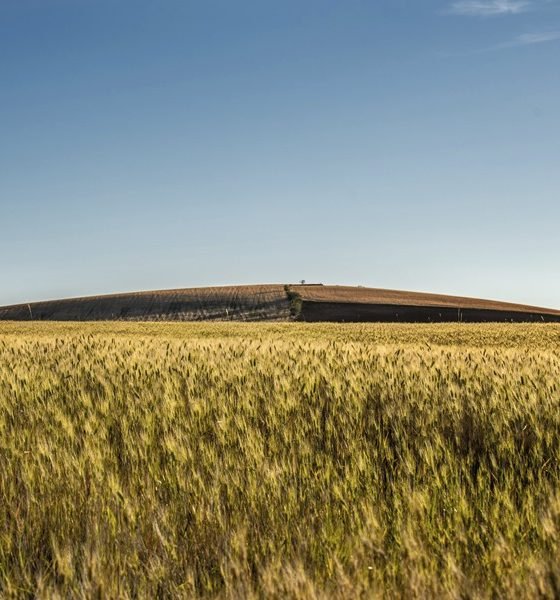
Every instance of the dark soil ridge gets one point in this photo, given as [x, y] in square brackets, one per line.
[308, 303]
[227, 303]
[363, 305]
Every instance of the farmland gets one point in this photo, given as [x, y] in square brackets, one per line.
[335, 303]
[280, 302]
[282, 460]
[229, 303]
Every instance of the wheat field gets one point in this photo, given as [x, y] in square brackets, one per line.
[279, 461]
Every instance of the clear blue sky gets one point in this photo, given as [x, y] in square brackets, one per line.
[175, 143]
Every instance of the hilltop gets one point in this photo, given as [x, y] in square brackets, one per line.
[278, 302]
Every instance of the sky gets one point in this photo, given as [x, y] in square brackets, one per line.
[179, 143]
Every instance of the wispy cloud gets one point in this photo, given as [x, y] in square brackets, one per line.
[525, 39]
[489, 8]
[529, 39]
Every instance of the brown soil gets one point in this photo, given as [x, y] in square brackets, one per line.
[362, 295]
[279, 303]
[232, 303]
[357, 304]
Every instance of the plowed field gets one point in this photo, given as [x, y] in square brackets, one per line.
[279, 303]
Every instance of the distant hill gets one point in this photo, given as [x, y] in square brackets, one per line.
[239, 303]
[359, 304]
[313, 303]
